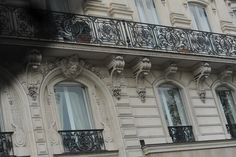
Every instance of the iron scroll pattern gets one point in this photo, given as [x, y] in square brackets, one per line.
[47, 25]
[181, 134]
[6, 146]
[231, 128]
[80, 141]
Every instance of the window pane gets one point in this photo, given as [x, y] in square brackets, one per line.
[199, 16]
[228, 105]
[172, 105]
[73, 106]
[147, 11]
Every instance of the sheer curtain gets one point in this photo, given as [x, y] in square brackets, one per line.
[172, 105]
[147, 11]
[73, 106]
[200, 19]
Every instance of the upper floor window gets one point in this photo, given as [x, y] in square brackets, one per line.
[227, 103]
[70, 6]
[73, 106]
[147, 11]
[200, 19]
[175, 114]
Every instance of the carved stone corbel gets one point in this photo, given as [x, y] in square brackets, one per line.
[34, 59]
[141, 70]
[200, 75]
[116, 67]
[226, 73]
[170, 70]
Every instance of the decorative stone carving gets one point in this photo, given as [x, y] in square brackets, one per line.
[170, 70]
[71, 67]
[227, 73]
[200, 74]
[141, 70]
[53, 134]
[142, 93]
[34, 58]
[33, 91]
[116, 67]
[116, 91]
[19, 136]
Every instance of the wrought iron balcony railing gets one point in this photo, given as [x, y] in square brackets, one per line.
[6, 146]
[64, 27]
[232, 130]
[80, 141]
[181, 134]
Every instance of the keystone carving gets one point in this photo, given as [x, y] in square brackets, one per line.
[34, 59]
[200, 75]
[141, 70]
[71, 67]
[170, 70]
[227, 73]
[116, 67]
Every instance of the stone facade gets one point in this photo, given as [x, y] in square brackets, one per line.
[122, 83]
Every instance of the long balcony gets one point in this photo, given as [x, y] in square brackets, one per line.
[82, 141]
[6, 146]
[42, 25]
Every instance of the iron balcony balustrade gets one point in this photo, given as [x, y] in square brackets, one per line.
[6, 146]
[232, 130]
[45, 25]
[181, 134]
[82, 141]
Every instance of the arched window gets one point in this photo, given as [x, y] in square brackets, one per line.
[227, 103]
[147, 11]
[175, 114]
[73, 106]
[199, 17]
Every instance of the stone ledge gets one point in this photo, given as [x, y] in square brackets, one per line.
[114, 153]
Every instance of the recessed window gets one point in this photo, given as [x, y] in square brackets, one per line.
[147, 11]
[73, 106]
[175, 115]
[199, 17]
[70, 6]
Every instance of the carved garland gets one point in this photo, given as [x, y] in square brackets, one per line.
[141, 70]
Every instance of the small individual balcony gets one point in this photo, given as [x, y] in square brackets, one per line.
[232, 130]
[181, 134]
[49, 26]
[6, 146]
[82, 141]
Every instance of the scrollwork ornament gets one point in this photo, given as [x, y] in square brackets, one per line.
[142, 94]
[53, 138]
[116, 92]
[33, 91]
[19, 136]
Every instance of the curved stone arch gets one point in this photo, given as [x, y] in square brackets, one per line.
[185, 98]
[55, 76]
[204, 3]
[17, 114]
[214, 86]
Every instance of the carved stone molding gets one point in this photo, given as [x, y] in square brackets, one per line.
[141, 70]
[116, 67]
[226, 73]
[71, 67]
[121, 11]
[53, 138]
[116, 92]
[180, 20]
[201, 73]
[33, 91]
[34, 58]
[170, 70]
[19, 136]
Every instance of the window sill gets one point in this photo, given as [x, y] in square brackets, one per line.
[114, 153]
[198, 145]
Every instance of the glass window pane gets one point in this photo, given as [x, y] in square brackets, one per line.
[73, 106]
[199, 16]
[172, 105]
[228, 104]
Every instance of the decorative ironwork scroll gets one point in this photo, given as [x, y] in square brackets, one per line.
[6, 146]
[47, 25]
[77, 141]
[181, 134]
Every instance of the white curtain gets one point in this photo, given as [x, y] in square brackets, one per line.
[147, 11]
[199, 16]
[73, 107]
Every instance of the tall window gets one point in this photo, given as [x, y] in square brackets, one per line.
[73, 6]
[199, 16]
[172, 105]
[147, 11]
[228, 104]
[73, 106]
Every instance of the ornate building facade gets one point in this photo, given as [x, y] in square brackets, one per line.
[117, 78]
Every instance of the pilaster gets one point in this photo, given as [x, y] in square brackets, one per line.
[95, 8]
